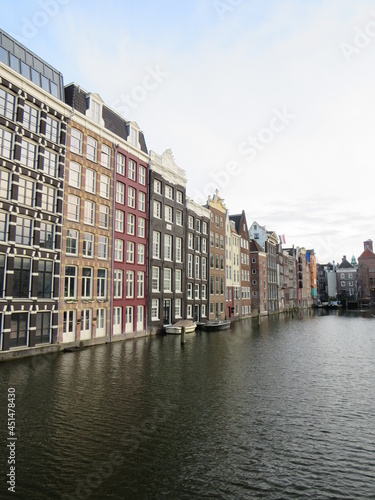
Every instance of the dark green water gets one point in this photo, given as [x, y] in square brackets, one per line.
[284, 410]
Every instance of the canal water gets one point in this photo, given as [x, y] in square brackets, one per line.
[280, 410]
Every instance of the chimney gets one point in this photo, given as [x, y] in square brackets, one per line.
[368, 244]
[344, 258]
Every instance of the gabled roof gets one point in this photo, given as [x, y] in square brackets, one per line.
[237, 220]
[367, 254]
[255, 247]
[345, 265]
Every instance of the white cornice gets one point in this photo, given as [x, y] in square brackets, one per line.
[197, 209]
[166, 166]
[30, 88]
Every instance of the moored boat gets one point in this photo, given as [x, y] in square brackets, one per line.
[220, 324]
[176, 328]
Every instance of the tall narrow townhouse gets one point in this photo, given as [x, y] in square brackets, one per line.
[103, 286]
[271, 246]
[196, 251]
[259, 280]
[167, 288]
[243, 232]
[217, 256]
[130, 232]
[236, 270]
[229, 295]
[33, 121]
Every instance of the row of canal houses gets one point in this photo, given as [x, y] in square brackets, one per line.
[98, 238]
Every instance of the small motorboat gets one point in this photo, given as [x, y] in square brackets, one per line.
[219, 324]
[176, 328]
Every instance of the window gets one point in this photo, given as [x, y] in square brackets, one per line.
[46, 239]
[129, 284]
[90, 185]
[155, 309]
[6, 104]
[30, 118]
[140, 284]
[204, 245]
[117, 282]
[104, 216]
[142, 175]
[204, 227]
[198, 243]
[177, 308]
[191, 222]
[190, 241]
[131, 197]
[343, 283]
[197, 266]
[72, 242]
[48, 198]
[43, 327]
[86, 282]
[190, 266]
[168, 247]
[102, 284]
[92, 149]
[204, 313]
[216, 240]
[168, 214]
[120, 192]
[18, 330]
[217, 288]
[26, 191]
[141, 227]
[119, 250]
[178, 217]
[141, 254]
[178, 249]
[88, 245]
[120, 166]
[142, 201]
[190, 291]
[179, 196]
[211, 239]
[167, 280]
[73, 208]
[105, 157]
[5, 143]
[75, 174]
[156, 245]
[133, 136]
[45, 268]
[104, 186]
[157, 186]
[119, 221]
[70, 282]
[132, 174]
[4, 184]
[130, 252]
[169, 192]
[28, 154]
[216, 220]
[204, 292]
[102, 247]
[52, 129]
[155, 279]
[23, 231]
[50, 164]
[178, 282]
[89, 213]
[21, 277]
[196, 295]
[131, 224]
[222, 242]
[76, 141]
[204, 268]
[157, 209]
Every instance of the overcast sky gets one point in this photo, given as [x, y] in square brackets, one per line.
[271, 102]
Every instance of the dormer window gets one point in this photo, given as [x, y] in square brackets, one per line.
[94, 109]
[133, 136]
